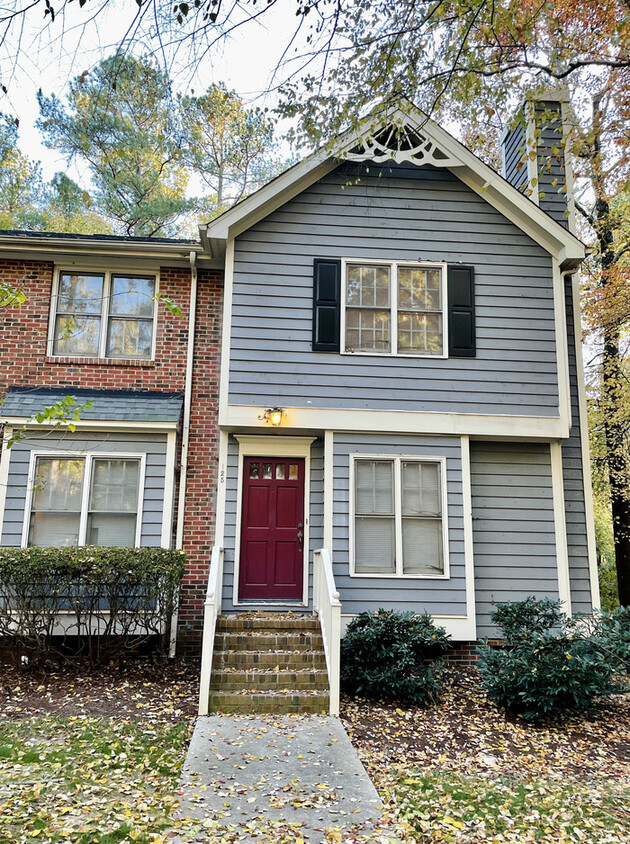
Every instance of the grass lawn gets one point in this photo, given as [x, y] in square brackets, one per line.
[93, 759]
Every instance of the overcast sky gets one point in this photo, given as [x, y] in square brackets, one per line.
[51, 55]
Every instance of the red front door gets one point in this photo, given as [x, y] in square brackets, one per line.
[272, 528]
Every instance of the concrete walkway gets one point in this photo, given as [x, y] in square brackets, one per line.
[296, 774]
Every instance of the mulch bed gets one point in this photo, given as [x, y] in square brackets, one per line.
[138, 689]
[466, 732]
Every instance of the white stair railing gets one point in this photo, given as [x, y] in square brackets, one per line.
[211, 611]
[328, 607]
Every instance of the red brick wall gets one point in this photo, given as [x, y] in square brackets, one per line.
[203, 458]
[23, 362]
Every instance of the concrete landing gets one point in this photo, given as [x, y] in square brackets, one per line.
[298, 774]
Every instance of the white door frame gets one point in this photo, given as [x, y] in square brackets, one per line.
[261, 446]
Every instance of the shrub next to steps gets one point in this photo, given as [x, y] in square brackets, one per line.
[94, 602]
[393, 655]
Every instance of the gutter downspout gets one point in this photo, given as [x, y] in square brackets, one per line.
[181, 500]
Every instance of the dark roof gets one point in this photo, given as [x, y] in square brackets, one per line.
[114, 238]
[107, 405]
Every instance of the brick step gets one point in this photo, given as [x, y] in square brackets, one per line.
[287, 660]
[263, 641]
[267, 621]
[288, 700]
[268, 680]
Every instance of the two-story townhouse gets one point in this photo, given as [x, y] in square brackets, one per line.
[401, 417]
[95, 326]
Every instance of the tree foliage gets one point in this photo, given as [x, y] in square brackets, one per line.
[118, 119]
[228, 146]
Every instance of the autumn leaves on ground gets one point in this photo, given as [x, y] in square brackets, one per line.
[88, 758]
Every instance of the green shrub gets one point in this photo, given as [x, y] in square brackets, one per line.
[550, 664]
[390, 655]
[102, 601]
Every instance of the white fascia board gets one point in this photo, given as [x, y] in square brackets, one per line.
[280, 190]
[14, 247]
[87, 425]
[240, 417]
[472, 171]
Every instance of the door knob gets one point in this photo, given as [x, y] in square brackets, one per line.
[300, 535]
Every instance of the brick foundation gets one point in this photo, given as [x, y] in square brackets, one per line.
[465, 652]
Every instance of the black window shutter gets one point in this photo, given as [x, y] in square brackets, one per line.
[461, 312]
[326, 304]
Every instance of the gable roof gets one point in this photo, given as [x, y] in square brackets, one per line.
[440, 149]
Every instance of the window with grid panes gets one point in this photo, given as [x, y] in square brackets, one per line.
[104, 315]
[90, 500]
[394, 308]
[398, 520]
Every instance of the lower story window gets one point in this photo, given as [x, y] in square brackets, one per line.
[399, 527]
[85, 500]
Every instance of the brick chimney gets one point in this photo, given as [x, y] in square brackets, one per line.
[535, 158]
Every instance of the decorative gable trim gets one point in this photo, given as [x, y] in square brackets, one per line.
[402, 143]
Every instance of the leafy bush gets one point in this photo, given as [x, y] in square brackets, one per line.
[520, 620]
[393, 655]
[549, 663]
[102, 601]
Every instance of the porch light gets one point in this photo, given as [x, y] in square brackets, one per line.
[273, 416]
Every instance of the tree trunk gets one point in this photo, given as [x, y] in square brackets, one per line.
[612, 375]
[617, 460]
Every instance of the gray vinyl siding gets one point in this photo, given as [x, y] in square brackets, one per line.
[551, 165]
[577, 542]
[513, 156]
[370, 593]
[513, 526]
[316, 526]
[153, 445]
[397, 213]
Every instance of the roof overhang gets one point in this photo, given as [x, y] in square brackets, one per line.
[453, 155]
[29, 247]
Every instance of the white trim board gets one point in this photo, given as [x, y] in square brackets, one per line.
[88, 424]
[260, 446]
[457, 626]
[238, 417]
[469, 549]
[560, 525]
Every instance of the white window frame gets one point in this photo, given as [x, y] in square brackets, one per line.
[107, 274]
[397, 460]
[89, 457]
[393, 305]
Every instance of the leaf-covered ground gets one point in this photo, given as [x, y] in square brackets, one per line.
[94, 758]
[464, 771]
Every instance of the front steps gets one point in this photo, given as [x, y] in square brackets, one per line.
[268, 662]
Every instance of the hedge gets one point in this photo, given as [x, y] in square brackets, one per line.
[94, 602]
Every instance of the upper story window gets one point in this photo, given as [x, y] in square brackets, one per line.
[84, 500]
[393, 308]
[104, 315]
